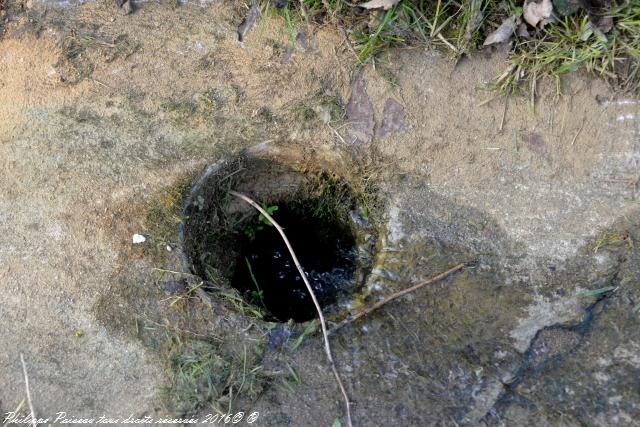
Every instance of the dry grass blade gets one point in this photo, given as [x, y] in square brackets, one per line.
[34, 423]
[323, 324]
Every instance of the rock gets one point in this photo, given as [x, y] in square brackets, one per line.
[537, 11]
[523, 32]
[301, 41]
[503, 33]
[138, 238]
[126, 6]
[379, 4]
[566, 7]
[601, 21]
[278, 336]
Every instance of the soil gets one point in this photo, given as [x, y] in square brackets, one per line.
[105, 118]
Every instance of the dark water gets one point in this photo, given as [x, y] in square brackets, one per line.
[325, 248]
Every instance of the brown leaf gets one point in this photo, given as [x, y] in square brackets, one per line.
[600, 14]
[523, 31]
[377, 4]
[360, 113]
[393, 118]
[503, 33]
[535, 11]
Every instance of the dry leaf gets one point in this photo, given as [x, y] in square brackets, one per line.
[503, 33]
[600, 15]
[523, 32]
[535, 11]
[377, 4]
[550, 20]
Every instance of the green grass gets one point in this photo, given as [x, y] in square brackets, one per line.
[612, 239]
[290, 380]
[258, 294]
[309, 329]
[290, 24]
[318, 109]
[598, 292]
[259, 223]
[202, 378]
[459, 27]
[572, 45]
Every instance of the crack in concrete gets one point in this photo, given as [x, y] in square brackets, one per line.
[532, 365]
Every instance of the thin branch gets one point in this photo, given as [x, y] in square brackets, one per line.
[395, 296]
[34, 423]
[323, 324]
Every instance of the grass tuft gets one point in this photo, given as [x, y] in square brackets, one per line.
[571, 45]
[460, 26]
[202, 379]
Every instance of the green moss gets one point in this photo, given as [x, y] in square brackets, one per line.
[84, 48]
[317, 110]
[180, 111]
[163, 217]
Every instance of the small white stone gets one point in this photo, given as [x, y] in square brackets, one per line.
[138, 238]
[169, 248]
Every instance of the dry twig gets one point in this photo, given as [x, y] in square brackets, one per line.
[34, 423]
[323, 324]
[397, 295]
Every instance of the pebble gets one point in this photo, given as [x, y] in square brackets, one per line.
[138, 238]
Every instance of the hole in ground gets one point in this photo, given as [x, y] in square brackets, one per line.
[266, 274]
[228, 245]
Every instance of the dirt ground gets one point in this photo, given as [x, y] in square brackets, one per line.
[103, 114]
